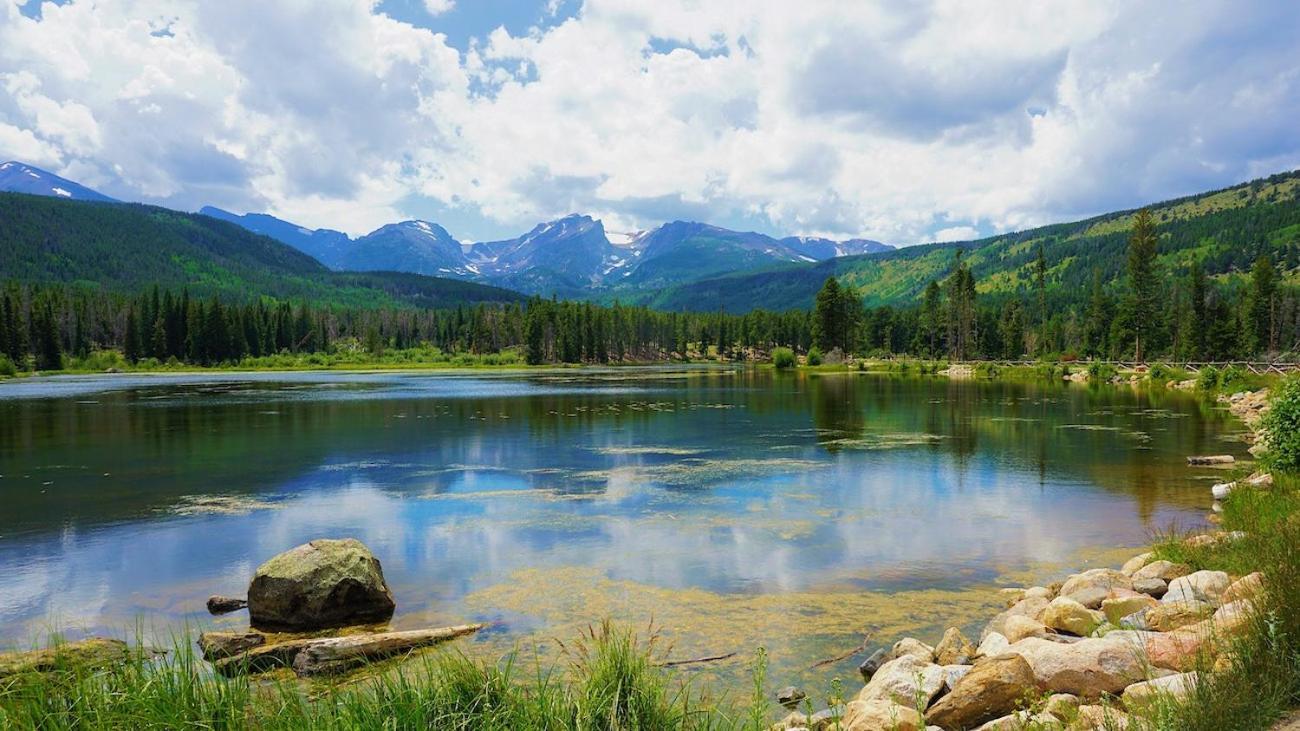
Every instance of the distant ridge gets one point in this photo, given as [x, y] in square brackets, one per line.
[18, 177]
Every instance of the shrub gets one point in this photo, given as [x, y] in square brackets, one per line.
[1160, 372]
[814, 356]
[783, 358]
[1281, 425]
[7, 367]
[1207, 379]
[1101, 372]
[1232, 376]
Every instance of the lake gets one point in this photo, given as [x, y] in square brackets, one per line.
[730, 508]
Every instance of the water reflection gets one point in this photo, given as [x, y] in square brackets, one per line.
[739, 483]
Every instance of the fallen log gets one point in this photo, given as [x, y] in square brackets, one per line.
[262, 658]
[217, 645]
[1211, 459]
[338, 654]
[696, 660]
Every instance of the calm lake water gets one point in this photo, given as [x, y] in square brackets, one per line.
[731, 508]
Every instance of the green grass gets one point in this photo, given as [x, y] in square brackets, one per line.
[609, 680]
[1261, 680]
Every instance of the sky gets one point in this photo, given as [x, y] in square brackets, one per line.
[901, 122]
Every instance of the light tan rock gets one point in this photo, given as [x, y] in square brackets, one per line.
[1177, 650]
[1205, 586]
[1062, 705]
[1018, 628]
[1172, 687]
[995, 644]
[1117, 607]
[1011, 595]
[1092, 587]
[952, 674]
[904, 680]
[1133, 564]
[1230, 619]
[910, 646]
[1067, 615]
[954, 648]
[1087, 668]
[789, 723]
[1031, 607]
[1161, 569]
[991, 689]
[1247, 587]
[1099, 718]
[1039, 592]
[880, 715]
[1169, 616]
[1154, 588]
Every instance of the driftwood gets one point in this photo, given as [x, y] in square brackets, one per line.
[1212, 459]
[845, 656]
[322, 655]
[697, 660]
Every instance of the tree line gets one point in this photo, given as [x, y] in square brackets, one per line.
[42, 325]
[1149, 312]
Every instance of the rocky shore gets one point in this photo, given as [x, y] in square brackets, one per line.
[1082, 653]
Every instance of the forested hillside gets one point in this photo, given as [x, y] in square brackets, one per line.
[1225, 231]
[130, 247]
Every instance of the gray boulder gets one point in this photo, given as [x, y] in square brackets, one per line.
[321, 584]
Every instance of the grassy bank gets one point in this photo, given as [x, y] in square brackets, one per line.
[609, 680]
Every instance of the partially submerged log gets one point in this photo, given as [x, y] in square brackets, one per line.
[94, 652]
[338, 654]
[1211, 459]
[225, 604]
[217, 645]
[320, 655]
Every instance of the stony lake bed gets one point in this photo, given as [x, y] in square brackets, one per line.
[731, 508]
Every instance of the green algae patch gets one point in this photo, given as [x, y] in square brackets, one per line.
[797, 629]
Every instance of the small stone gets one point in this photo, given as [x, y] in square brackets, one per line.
[1018, 628]
[911, 646]
[1100, 718]
[1133, 564]
[875, 715]
[995, 644]
[1154, 588]
[1062, 705]
[1116, 608]
[954, 648]
[790, 696]
[1161, 569]
[1175, 687]
[1067, 615]
[873, 662]
[225, 604]
[1031, 607]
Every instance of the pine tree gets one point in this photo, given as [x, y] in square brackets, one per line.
[49, 352]
[1263, 295]
[828, 316]
[1096, 323]
[1144, 287]
[131, 347]
[1040, 298]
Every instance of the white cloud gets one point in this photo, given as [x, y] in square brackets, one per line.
[438, 7]
[826, 118]
[956, 233]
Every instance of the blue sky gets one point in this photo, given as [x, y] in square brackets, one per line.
[899, 122]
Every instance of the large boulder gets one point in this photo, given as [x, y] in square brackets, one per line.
[321, 584]
[1247, 587]
[1018, 628]
[1133, 565]
[910, 646]
[1122, 604]
[989, 690]
[879, 715]
[904, 680]
[1169, 616]
[1031, 607]
[1092, 587]
[1087, 668]
[1172, 687]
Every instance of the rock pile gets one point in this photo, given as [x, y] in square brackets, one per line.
[1080, 655]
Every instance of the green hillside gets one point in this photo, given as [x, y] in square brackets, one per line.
[129, 247]
[1225, 230]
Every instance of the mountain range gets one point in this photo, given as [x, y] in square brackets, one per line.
[679, 265]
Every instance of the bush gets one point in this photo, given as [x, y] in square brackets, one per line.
[1160, 372]
[814, 356]
[7, 367]
[1232, 376]
[1207, 379]
[1281, 425]
[783, 358]
[1101, 372]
